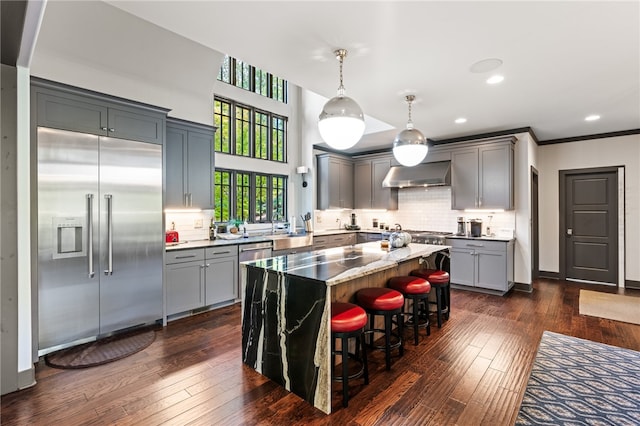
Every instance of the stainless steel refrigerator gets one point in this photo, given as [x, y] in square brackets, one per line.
[99, 236]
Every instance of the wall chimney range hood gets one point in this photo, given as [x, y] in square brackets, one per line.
[424, 174]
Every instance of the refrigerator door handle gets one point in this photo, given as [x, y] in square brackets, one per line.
[90, 234]
[109, 270]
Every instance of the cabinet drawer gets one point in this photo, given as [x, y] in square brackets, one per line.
[180, 256]
[477, 244]
[221, 252]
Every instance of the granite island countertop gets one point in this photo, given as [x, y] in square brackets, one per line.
[337, 265]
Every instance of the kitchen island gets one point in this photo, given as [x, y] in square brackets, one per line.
[287, 308]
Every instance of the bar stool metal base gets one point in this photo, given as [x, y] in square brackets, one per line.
[387, 331]
[360, 356]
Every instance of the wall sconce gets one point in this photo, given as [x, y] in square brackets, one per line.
[303, 170]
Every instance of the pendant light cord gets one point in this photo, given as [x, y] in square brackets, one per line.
[410, 99]
[340, 55]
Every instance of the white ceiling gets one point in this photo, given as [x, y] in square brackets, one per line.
[562, 61]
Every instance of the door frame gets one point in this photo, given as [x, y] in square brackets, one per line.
[535, 224]
[562, 174]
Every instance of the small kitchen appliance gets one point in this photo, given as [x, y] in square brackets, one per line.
[171, 236]
[461, 226]
[476, 227]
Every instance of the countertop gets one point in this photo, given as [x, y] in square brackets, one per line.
[341, 264]
[483, 238]
[215, 243]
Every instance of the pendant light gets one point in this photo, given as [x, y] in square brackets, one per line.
[341, 122]
[410, 145]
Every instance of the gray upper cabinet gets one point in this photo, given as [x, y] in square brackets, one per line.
[63, 107]
[189, 165]
[482, 176]
[335, 182]
[368, 190]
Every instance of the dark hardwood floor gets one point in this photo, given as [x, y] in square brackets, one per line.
[472, 371]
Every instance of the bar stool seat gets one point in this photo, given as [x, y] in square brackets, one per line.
[348, 321]
[388, 303]
[416, 289]
[439, 281]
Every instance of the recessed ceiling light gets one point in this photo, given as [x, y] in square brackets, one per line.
[485, 65]
[460, 120]
[495, 79]
[592, 117]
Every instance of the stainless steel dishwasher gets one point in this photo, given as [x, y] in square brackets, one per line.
[254, 251]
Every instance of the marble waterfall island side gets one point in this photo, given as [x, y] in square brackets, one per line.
[286, 307]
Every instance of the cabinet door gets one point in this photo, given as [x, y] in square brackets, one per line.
[462, 267]
[71, 114]
[491, 270]
[382, 198]
[464, 179]
[135, 126]
[334, 183]
[200, 169]
[185, 286]
[221, 280]
[362, 194]
[495, 184]
[175, 167]
[346, 185]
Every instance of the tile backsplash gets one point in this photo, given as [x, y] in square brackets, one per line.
[418, 208]
[191, 226]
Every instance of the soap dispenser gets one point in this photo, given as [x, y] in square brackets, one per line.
[245, 233]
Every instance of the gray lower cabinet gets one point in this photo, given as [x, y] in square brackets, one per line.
[482, 176]
[184, 280]
[365, 237]
[221, 274]
[335, 240]
[335, 182]
[482, 264]
[200, 277]
[189, 165]
[68, 108]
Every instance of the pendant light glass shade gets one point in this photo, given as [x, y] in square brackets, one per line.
[341, 122]
[410, 146]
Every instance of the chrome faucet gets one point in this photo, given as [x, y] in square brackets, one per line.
[398, 227]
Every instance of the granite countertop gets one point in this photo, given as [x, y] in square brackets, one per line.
[483, 238]
[337, 265]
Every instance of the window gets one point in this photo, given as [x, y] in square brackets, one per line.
[242, 133]
[254, 197]
[251, 133]
[222, 120]
[240, 74]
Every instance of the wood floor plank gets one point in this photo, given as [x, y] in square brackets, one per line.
[471, 371]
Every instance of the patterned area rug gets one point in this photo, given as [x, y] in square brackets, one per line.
[580, 382]
[101, 351]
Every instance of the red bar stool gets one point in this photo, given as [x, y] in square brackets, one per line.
[439, 280]
[416, 289]
[348, 321]
[386, 302]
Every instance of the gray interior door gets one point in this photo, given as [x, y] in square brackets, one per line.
[591, 225]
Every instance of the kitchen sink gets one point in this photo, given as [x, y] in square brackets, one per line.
[288, 241]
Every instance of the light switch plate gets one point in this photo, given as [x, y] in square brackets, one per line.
[197, 224]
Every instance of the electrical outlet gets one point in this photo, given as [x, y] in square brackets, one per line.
[197, 224]
[318, 219]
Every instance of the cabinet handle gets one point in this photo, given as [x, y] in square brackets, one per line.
[103, 128]
[186, 257]
[220, 252]
[111, 129]
[475, 245]
[207, 265]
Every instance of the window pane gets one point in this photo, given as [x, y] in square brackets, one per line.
[278, 145]
[242, 196]
[242, 131]
[262, 200]
[278, 197]
[222, 196]
[261, 82]
[261, 131]
[222, 120]
[225, 70]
